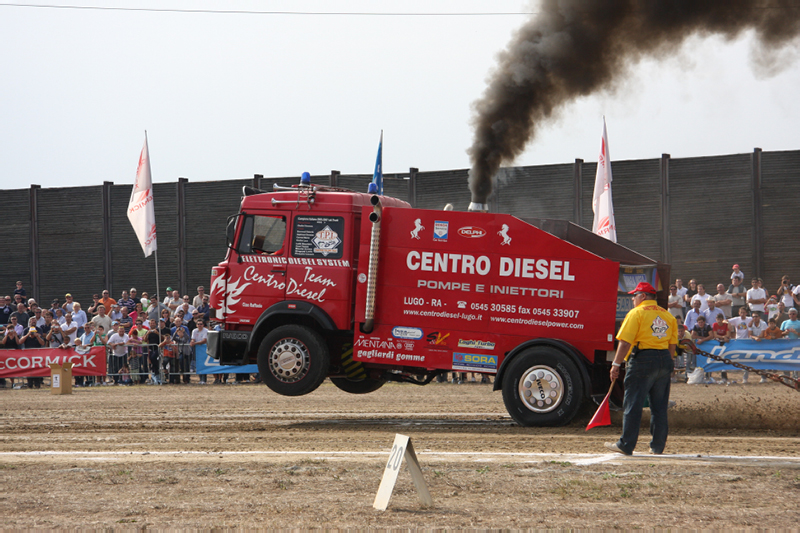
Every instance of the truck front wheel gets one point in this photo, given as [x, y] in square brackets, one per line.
[542, 387]
[293, 360]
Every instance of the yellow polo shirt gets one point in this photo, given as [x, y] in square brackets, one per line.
[649, 327]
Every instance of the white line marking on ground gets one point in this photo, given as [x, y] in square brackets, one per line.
[578, 459]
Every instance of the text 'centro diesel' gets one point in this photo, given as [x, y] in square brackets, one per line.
[482, 265]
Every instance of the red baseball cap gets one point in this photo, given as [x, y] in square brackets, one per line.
[643, 287]
[735, 266]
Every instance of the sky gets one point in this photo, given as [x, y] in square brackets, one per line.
[229, 95]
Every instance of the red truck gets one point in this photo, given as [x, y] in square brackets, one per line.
[324, 282]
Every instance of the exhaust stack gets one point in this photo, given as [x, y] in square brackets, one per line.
[372, 273]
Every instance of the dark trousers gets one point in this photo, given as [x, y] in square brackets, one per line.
[647, 376]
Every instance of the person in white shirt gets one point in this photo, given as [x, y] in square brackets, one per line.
[772, 308]
[70, 329]
[117, 343]
[703, 296]
[740, 326]
[198, 300]
[681, 292]
[756, 328]
[199, 335]
[784, 292]
[756, 297]
[675, 306]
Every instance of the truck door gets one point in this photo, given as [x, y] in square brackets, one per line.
[319, 271]
[257, 272]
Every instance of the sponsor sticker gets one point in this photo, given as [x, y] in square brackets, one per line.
[326, 241]
[402, 332]
[472, 361]
[440, 230]
[474, 344]
[471, 232]
[437, 338]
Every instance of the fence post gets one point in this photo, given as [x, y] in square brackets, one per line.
[257, 181]
[34, 242]
[334, 180]
[666, 226]
[758, 241]
[181, 201]
[108, 273]
[577, 192]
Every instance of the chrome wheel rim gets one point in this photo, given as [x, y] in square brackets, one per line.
[541, 389]
[289, 360]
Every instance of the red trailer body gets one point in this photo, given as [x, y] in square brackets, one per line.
[321, 282]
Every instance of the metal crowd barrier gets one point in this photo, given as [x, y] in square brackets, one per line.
[149, 364]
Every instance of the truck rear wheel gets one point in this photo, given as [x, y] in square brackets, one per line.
[293, 360]
[542, 387]
[361, 386]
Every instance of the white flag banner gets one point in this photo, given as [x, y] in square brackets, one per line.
[140, 208]
[602, 204]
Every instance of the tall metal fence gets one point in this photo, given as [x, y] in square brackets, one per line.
[700, 214]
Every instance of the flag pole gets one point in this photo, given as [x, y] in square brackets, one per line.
[158, 287]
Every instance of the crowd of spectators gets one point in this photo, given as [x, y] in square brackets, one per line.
[147, 340]
[152, 341]
[735, 312]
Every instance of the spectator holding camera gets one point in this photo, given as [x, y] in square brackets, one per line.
[55, 337]
[785, 291]
[13, 334]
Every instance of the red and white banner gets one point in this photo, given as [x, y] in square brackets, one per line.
[602, 204]
[140, 208]
[36, 362]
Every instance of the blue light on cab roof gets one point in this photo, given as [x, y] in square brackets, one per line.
[305, 179]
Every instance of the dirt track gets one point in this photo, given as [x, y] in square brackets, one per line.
[250, 458]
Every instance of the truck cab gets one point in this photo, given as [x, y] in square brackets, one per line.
[292, 260]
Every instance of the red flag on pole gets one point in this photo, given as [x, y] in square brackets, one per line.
[603, 415]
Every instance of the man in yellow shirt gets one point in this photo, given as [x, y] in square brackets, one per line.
[647, 341]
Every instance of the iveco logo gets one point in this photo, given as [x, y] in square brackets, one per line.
[235, 336]
[471, 232]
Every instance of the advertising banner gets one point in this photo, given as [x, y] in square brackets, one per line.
[781, 354]
[207, 365]
[36, 362]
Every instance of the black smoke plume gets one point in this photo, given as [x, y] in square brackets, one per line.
[573, 48]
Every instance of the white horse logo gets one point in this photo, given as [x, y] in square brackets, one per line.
[504, 234]
[418, 227]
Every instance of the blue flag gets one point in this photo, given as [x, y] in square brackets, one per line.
[377, 176]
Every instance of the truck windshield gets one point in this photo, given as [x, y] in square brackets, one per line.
[262, 234]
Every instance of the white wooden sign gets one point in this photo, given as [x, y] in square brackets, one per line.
[402, 448]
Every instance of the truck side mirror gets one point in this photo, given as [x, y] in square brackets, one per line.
[230, 231]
